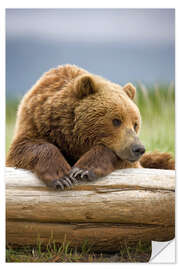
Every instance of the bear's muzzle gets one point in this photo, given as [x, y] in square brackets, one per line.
[133, 149]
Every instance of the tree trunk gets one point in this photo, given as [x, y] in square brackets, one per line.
[129, 204]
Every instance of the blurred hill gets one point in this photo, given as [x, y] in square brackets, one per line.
[27, 60]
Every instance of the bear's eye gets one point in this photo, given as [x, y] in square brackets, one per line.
[116, 122]
[135, 126]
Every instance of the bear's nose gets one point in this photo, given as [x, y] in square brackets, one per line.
[138, 149]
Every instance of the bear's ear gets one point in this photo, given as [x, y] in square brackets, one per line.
[84, 86]
[130, 90]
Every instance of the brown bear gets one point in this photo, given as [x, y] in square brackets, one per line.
[74, 125]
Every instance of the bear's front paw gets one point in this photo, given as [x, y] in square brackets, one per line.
[74, 177]
[82, 174]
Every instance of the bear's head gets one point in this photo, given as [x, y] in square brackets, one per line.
[106, 114]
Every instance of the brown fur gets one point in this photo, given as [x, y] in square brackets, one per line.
[65, 120]
[158, 160]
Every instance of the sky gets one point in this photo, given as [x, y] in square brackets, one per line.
[122, 45]
[154, 26]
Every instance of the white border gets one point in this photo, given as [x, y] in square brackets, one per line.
[75, 4]
[163, 252]
[89, 4]
[2, 137]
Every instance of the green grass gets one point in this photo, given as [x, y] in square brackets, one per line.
[157, 107]
[128, 252]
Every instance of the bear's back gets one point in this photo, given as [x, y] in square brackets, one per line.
[41, 95]
[56, 79]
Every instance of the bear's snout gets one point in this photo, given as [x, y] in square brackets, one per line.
[137, 150]
[132, 152]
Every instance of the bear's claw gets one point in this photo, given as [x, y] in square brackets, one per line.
[58, 184]
[63, 182]
[80, 174]
[75, 172]
[66, 181]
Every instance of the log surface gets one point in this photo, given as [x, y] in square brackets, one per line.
[129, 204]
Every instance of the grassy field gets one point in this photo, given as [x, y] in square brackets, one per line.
[128, 252]
[157, 107]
